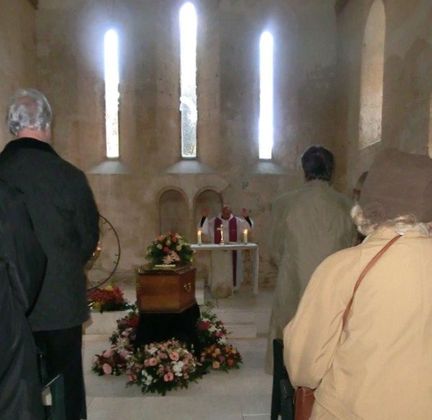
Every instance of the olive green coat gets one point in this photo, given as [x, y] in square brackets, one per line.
[308, 224]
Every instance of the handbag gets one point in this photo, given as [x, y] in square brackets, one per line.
[304, 397]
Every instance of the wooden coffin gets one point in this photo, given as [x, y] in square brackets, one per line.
[165, 291]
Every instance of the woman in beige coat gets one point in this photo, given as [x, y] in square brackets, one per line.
[379, 367]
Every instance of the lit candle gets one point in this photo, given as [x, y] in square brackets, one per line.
[199, 233]
[245, 234]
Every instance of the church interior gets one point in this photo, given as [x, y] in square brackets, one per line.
[351, 75]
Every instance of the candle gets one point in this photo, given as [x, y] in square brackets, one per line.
[245, 236]
[199, 233]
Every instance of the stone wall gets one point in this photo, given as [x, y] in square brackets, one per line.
[59, 49]
[70, 60]
[407, 80]
[17, 52]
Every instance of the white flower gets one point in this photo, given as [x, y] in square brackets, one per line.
[168, 242]
[179, 247]
[148, 379]
[159, 246]
[177, 368]
[152, 350]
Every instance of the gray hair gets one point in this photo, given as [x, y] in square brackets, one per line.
[29, 108]
[400, 224]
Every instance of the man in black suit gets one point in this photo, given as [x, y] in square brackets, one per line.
[22, 266]
[65, 218]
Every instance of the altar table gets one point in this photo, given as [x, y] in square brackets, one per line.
[221, 263]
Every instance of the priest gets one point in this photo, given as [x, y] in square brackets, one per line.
[224, 228]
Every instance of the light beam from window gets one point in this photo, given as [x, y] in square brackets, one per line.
[265, 124]
[372, 76]
[112, 95]
[188, 96]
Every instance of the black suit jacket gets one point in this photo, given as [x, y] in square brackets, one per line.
[65, 219]
[22, 266]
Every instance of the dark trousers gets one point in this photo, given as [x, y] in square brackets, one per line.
[61, 351]
[282, 392]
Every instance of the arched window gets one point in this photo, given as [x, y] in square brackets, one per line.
[372, 75]
[265, 124]
[111, 75]
[188, 95]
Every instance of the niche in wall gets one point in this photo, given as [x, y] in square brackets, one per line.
[173, 212]
[207, 199]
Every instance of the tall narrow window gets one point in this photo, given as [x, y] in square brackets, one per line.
[372, 76]
[265, 124]
[111, 69]
[430, 128]
[188, 96]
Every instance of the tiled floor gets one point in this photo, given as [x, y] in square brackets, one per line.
[242, 394]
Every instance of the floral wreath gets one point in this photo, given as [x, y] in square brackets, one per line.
[165, 366]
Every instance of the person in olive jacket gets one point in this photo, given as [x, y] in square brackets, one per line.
[65, 219]
[22, 267]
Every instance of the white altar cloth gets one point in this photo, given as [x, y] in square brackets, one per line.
[221, 262]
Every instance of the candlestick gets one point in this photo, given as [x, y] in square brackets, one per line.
[245, 236]
[199, 233]
[220, 229]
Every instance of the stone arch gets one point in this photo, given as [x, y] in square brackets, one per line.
[173, 211]
[372, 76]
[209, 198]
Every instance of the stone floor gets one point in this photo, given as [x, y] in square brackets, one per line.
[242, 394]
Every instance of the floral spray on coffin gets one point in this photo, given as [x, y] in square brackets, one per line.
[167, 284]
[168, 251]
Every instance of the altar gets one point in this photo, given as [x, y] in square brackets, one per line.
[220, 267]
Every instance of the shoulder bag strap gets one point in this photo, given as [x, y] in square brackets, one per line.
[371, 263]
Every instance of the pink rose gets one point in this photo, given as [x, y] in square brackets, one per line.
[168, 377]
[153, 361]
[107, 353]
[107, 369]
[215, 365]
[174, 356]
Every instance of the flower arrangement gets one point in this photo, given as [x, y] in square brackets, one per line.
[126, 328]
[211, 330]
[169, 365]
[114, 360]
[221, 357]
[169, 249]
[108, 298]
[110, 362]
[216, 354]
[162, 367]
